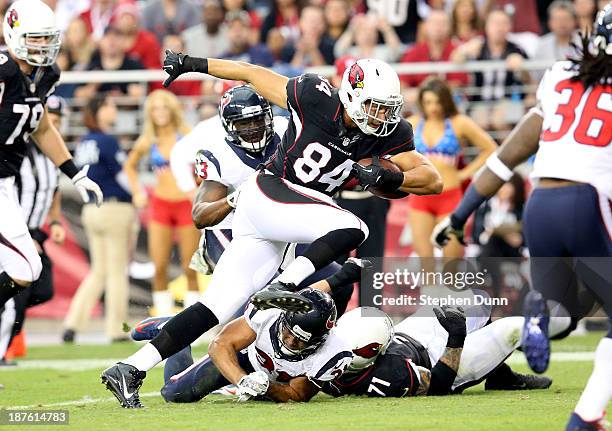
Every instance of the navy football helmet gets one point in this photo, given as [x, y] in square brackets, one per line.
[247, 118]
[298, 335]
[602, 30]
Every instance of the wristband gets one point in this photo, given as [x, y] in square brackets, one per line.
[455, 341]
[195, 64]
[69, 168]
[499, 168]
[391, 181]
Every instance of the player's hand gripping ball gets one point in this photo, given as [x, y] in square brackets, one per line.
[374, 173]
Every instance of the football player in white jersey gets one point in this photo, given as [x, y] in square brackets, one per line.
[281, 355]
[28, 76]
[570, 212]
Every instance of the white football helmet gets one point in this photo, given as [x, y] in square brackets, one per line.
[369, 332]
[31, 33]
[374, 81]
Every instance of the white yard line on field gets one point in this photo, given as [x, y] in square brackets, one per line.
[84, 400]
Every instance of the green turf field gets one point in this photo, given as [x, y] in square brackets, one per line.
[71, 382]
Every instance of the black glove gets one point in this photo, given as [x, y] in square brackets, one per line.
[453, 320]
[175, 64]
[376, 175]
[351, 272]
[443, 230]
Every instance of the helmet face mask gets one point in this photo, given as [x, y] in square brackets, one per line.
[300, 335]
[31, 33]
[602, 36]
[247, 119]
[370, 93]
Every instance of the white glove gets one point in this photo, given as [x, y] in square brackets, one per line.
[83, 184]
[232, 198]
[198, 263]
[252, 385]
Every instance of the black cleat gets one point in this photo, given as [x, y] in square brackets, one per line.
[520, 382]
[282, 296]
[124, 381]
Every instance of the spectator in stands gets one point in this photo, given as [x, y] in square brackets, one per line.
[276, 43]
[437, 46]
[313, 47]
[364, 32]
[241, 5]
[405, 17]
[440, 132]
[139, 44]
[209, 38]
[240, 49]
[465, 21]
[78, 45]
[337, 15]
[496, 85]
[182, 87]
[523, 14]
[98, 17]
[170, 208]
[163, 17]
[284, 15]
[556, 45]
[108, 227]
[586, 10]
[111, 56]
[66, 11]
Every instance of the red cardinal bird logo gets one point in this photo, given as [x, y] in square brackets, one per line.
[13, 19]
[368, 351]
[355, 76]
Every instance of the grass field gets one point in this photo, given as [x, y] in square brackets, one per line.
[68, 378]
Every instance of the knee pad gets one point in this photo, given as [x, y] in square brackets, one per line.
[176, 392]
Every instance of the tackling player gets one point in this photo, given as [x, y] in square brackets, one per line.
[290, 200]
[570, 211]
[28, 76]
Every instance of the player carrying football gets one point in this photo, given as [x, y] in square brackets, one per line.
[289, 201]
[568, 219]
[28, 76]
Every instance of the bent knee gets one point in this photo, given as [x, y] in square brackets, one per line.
[173, 393]
[27, 273]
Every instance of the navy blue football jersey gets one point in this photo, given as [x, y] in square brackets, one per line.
[22, 105]
[318, 150]
[392, 375]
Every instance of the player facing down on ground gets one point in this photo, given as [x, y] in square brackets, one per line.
[28, 76]
[290, 200]
[570, 212]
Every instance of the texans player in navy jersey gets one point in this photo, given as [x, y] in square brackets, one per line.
[289, 199]
[28, 76]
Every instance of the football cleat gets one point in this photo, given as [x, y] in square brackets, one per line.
[282, 296]
[124, 381]
[521, 382]
[534, 339]
[148, 329]
[576, 423]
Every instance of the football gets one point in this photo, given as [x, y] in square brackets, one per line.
[387, 164]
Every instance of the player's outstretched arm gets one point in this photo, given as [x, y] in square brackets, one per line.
[48, 139]
[223, 349]
[420, 176]
[270, 85]
[299, 389]
[516, 149]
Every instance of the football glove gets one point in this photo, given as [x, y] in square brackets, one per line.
[252, 385]
[175, 64]
[454, 322]
[442, 232]
[376, 175]
[84, 185]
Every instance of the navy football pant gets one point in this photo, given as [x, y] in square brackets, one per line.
[566, 229]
